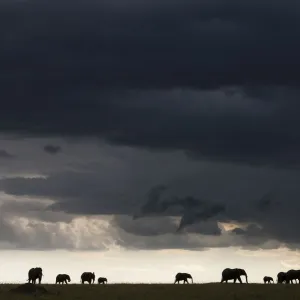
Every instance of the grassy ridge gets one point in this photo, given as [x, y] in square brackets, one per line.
[213, 291]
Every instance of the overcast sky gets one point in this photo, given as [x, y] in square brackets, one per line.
[136, 134]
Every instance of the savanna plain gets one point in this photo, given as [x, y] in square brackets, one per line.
[209, 291]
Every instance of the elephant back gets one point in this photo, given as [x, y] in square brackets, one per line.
[35, 272]
[226, 271]
[87, 275]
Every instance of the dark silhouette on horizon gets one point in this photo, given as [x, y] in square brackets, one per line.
[183, 277]
[102, 280]
[268, 279]
[34, 274]
[233, 274]
[87, 276]
[62, 278]
[292, 275]
[281, 277]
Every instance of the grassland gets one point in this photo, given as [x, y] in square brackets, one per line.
[211, 291]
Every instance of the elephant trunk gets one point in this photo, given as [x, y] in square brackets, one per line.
[246, 278]
[192, 279]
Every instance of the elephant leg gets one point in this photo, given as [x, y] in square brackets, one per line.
[239, 279]
[234, 281]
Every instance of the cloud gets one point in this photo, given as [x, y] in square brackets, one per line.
[52, 149]
[25, 224]
[5, 155]
[174, 60]
[192, 196]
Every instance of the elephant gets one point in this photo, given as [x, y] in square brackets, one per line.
[292, 275]
[234, 274]
[281, 277]
[87, 276]
[268, 279]
[102, 280]
[34, 274]
[62, 278]
[184, 277]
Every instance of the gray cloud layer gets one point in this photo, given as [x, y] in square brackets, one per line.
[146, 197]
[52, 149]
[5, 155]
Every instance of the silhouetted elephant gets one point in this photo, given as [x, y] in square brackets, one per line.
[62, 278]
[88, 276]
[102, 280]
[281, 277]
[292, 275]
[268, 279]
[183, 277]
[34, 274]
[235, 274]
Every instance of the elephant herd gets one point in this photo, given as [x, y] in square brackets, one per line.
[282, 277]
[235, 274]
[35, 274]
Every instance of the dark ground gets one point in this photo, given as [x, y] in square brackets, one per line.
[158, 291]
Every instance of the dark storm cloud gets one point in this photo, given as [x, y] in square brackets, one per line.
[5, 155]
[142, 74]
[151, 44]
[52, 149]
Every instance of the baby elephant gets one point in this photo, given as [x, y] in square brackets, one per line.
[102, 280]
[62, 278]
[268, 279]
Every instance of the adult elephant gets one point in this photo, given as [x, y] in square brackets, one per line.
[281, 277]
[102, 280]
[183, 277]
[34, 274]
[62, 278]
[268, 279]
[87, 276]
[292, 275]
[233, 274]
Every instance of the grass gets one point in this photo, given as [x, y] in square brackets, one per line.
[213, 291]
